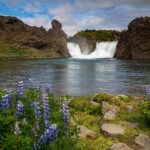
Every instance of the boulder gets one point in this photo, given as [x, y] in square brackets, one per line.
[144, 141]
[106, 107]
[110, 115]
[113, 129]
[120, 146]
[135, 42]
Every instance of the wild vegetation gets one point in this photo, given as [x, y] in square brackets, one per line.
[9, 52]
[32, 117]
[98, 35]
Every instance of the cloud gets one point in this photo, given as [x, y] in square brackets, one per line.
[76, 15]
[38, 20]
[33, 7]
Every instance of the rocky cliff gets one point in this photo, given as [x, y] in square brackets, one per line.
[135, 42]
[87, 39]
[19, 35]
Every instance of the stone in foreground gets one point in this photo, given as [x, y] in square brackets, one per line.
[144, 141]
[110, 115]
[120, 146]
[113, 129]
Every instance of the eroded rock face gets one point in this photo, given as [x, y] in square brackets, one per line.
[135, 42]
[20, 35]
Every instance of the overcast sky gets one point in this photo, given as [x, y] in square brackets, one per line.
[76, 15]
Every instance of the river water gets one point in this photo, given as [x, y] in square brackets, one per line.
[76, 77]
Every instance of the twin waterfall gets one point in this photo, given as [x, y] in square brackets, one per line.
[102, 50]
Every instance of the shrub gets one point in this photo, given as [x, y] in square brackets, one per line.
[102, 97]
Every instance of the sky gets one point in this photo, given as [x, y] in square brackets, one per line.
[77, 15]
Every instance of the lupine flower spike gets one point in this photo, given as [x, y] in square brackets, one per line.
[65, 111]
[31, 83]
[9, 92]
[37, 109]
[20, 88]
[148, 91]
[17, 129]
[5, 102]
[46, 109]
[49, 135]
[19, 109]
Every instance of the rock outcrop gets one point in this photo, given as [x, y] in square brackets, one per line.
[16, 33]
[135, 42]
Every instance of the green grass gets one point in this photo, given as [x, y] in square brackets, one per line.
[9, 52]
[98, 35]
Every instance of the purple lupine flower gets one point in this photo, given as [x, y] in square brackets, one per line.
[5, 101]
[48, 88]
[38, 86]
[49, 135]
[19, 109]
[148, 91]
[53, 133]
[20, 88]
[31, 83]
[9, 92]
[37, 109]
[17, 129]
[65, 111]
[46, 109]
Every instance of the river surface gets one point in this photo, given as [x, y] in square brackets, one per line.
[76, 77]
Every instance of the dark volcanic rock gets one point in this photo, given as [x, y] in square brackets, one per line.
[87, 45]
[20, 35]
[135, 42]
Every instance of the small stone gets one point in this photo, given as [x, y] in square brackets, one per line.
[107, 107]
[120, 146]
[143, 140]
[84, 132]
[113, 129]
[133, 125]
[110, 115]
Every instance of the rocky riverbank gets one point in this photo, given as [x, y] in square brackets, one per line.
[110, 122]
[19, 40]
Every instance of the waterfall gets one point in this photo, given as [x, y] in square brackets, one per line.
[102, 50]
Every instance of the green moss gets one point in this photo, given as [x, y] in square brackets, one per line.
[101, 143]
[98, 35]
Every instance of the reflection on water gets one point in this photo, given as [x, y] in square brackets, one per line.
[80, 77]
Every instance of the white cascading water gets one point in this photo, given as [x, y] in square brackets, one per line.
[102, 50]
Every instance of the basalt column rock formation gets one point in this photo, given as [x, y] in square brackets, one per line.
[135, 42]
[17, 34]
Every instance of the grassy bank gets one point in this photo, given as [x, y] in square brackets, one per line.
[9, 52]
[79, 120]
[98, 35]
